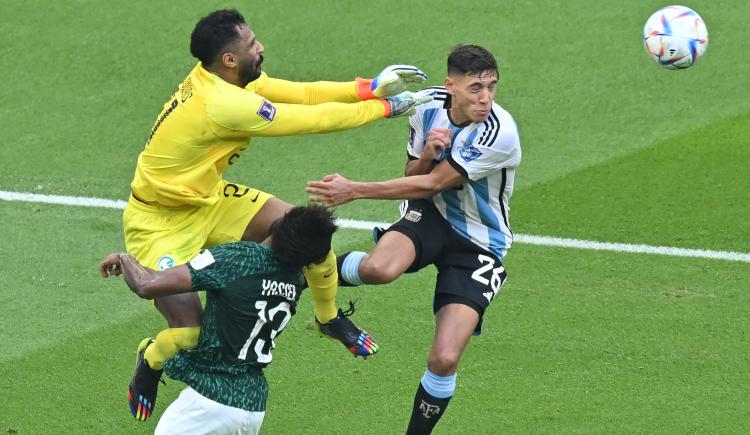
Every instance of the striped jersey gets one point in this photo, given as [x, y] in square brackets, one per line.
[487, 154]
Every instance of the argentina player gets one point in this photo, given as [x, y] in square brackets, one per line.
[463, 153]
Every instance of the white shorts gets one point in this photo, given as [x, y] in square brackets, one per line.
[192, 413]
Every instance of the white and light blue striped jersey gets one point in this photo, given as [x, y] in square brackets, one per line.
[486, 153]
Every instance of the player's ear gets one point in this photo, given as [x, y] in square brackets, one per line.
[449, 84]
[229, 60]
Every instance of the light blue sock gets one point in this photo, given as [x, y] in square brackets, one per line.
[440, 387]
[350, 267]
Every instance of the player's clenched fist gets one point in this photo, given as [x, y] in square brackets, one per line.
[438, 139]
[111, 265]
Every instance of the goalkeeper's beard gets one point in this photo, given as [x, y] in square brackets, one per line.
[249, 71]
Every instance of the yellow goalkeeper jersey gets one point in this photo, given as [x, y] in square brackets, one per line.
[207, 124]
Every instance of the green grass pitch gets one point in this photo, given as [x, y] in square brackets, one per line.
[616, 149]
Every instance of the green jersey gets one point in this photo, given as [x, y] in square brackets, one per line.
[250, 298]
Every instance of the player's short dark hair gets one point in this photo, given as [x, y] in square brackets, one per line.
[214, 32]
[303, 236]
[470, 59]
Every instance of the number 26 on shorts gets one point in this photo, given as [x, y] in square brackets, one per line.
[488, 274]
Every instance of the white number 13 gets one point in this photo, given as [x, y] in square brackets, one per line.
[260, 343]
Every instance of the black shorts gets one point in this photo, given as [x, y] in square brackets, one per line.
[467, 273]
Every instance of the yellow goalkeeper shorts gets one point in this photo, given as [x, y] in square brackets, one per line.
[164, 237]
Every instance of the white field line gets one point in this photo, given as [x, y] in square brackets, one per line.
[368, 225]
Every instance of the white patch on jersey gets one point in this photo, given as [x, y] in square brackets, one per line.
[413, 216]
[202, 260]
[468, 151]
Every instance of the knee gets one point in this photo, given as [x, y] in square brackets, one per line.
[377, 271]
[443, 362]
[186, 338]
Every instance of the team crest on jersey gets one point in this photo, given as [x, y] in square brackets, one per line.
[468, 151]
[413, 215]
[164, 262]
[267, 111]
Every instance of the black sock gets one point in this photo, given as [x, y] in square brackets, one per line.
[425, 412]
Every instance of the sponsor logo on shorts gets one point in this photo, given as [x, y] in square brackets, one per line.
[267, 111]
[413, 215]
[164, 262]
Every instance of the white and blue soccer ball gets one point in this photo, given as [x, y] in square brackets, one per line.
[675, 37]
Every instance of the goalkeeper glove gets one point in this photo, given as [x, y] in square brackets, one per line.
[393, 80]
[405, 103]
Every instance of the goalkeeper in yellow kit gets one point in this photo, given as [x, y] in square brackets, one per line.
[180, 202]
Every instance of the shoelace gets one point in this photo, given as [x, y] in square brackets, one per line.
[351, 310]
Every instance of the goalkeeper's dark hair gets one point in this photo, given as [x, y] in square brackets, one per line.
[213, 33]
[470, 59]
[302, 236]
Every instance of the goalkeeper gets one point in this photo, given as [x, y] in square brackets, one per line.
[180, 202]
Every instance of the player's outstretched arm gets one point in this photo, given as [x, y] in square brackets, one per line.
[391, 81]
[269, 120]
[145, 282]
[335, 190]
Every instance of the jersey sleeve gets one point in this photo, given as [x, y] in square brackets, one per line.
[284, 91]
[476, 161]
[415, 146]
[245, 113]
[213, 268]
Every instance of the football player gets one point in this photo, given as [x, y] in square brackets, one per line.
[252, 291]
[463, 153]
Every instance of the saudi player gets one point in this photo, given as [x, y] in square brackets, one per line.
[463, 152]
[251, 293]
[180, 202]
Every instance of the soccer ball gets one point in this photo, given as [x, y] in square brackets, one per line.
[675, 37]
